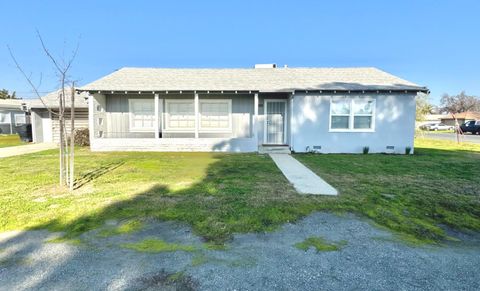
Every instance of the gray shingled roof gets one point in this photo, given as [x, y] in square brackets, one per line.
[263, 80]
[51, 100]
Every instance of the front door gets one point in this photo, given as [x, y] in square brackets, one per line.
[275, 125]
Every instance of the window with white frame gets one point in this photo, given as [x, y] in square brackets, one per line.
[142, 114]
[4, 117]
[179, 115]
[352, 114]
[215, 115]
[20, 119]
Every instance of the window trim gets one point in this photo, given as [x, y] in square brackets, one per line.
[166, 115]
[215, 129]
[130, 116]
[351, 115]
[15, 115]
[8, 116]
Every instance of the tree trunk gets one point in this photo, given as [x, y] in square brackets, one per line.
[62, 156]
[72, 136]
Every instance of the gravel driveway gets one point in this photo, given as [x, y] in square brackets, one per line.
[372, 259]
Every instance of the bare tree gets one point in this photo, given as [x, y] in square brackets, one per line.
[67, 149]
[460, 103]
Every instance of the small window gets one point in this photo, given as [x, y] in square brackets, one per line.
[363, 114]
[340, 113]
[142, 114]
[179, 115]
[215, 115]
[20, 119]
[4, 117]
[99, 108]
[100, 121]
[352, 114]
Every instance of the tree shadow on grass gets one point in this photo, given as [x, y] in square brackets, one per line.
[215, 207]
[96, 173]
[228, 199]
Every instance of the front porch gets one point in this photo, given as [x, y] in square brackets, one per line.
[187, 121]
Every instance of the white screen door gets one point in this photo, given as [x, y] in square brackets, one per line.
[275, 112]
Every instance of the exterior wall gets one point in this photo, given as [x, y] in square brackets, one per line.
[117, 116]
[118, 137]
[394, 125]
[81, 121]
[37, 126]
[308, 119]
[452, 121]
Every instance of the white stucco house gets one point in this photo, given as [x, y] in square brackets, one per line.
[326, 110]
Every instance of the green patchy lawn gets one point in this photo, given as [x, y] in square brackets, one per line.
[10, 140]
[409, 194]
[220, 194]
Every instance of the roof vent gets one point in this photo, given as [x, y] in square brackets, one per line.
[265, 66]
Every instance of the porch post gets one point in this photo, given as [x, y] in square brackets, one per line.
[290, 116]
[157, 129]
[91, 117]
[197, 104]
[12, 120]
[255, 117]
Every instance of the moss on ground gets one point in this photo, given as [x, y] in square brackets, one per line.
[153, 245]
[128, 227]
[320, 244]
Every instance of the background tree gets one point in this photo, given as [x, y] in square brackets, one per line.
[459, 103]
[62, 67]
[423, 106]
[4, 94]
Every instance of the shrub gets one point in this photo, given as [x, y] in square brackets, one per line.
[366, 150]
[82, 137]
[408, 150]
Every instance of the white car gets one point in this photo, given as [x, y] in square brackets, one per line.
[440, 126]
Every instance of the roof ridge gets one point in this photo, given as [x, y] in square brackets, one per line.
[240, 68]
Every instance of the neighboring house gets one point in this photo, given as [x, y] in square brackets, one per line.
[44, 115]
[327, 110]
[461, 117]
[11, 115]
[431, 119]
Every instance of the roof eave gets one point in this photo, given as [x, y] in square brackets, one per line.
[329, 90]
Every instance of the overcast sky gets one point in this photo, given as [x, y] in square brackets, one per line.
[431, 43]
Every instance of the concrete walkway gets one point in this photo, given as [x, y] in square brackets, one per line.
[303, 179]
[25, 149]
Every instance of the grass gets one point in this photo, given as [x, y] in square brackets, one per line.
[10, 140]
[412, 195]
[153, 245]
[221, 194]
[125, 228]
[320, 244]
[73, 241]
